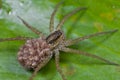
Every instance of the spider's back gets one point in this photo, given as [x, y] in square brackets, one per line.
[35, 52]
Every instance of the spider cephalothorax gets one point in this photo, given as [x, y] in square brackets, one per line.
[35, 53]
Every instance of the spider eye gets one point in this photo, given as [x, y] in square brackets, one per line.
[53, 37]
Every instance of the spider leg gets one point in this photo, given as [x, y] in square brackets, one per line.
[52, 17]
[89, 55]
[39, 67]
[71, 42]
[68, 15]
[57, 64]
[30, 27]
[14, 39]
[35, 72]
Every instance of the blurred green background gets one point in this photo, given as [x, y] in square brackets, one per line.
[101, 15]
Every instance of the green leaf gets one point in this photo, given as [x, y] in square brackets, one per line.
[101, 15]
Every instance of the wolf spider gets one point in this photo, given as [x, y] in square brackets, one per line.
[55, 42]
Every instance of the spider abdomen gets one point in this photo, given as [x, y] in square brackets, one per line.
[35, 52]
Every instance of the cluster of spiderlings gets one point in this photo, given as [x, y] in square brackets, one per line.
[34, 52]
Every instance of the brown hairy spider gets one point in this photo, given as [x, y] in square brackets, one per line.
[36, 53]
